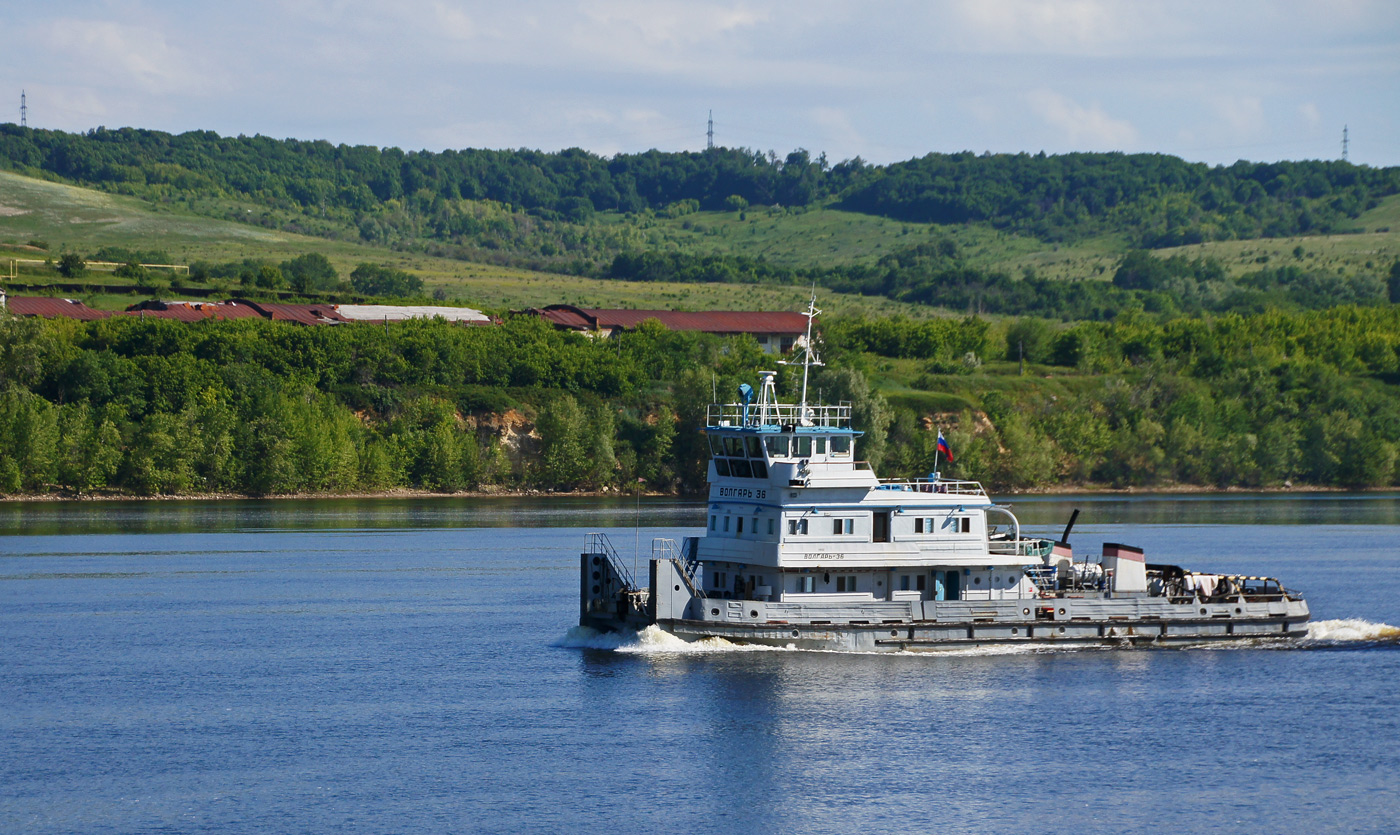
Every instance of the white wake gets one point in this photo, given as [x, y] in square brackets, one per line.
[653, 640]
[1349, 630]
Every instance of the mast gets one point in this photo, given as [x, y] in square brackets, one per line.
[810, 355]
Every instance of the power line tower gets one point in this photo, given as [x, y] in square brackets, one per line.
[23, 110]
[710, 133]
[1345, 142]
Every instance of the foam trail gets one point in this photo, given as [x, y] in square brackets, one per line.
[1348, 630]
[653, 640]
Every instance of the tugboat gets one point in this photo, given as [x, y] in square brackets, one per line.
[806, 548]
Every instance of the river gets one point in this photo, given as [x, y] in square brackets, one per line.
[409, 666]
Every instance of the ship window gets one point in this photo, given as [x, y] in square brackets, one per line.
[841, 445]
[755, 447]
[739, 468]
[803, 446]
[754, 526]
[739, 525]
[770, 526]
[918, 525]
[760, 469]
[904, 582]
[797, 527]
[716, 445]
[712, 522]
[819, 446]
[722, 466]
[846, 583]
[778, 445]
[733, 446]
[726, 524]
[836, 526]
[921, 582]
[802, 526]
[809, 584]
[966, 525]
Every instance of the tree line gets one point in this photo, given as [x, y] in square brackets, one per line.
[1158, 200]
[153, 406]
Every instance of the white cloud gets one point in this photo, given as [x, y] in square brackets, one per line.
[1310, 114]
[1087, 128]
[111, 53]
[1243, 115]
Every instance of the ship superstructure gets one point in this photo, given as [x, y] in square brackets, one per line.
[805, 546]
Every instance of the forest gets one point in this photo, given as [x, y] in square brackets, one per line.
[386, 193]
[151, 406]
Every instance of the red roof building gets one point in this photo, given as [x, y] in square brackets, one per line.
[53, 308]
[193, 311]
[776, 332]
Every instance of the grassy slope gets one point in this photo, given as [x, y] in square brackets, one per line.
[82, 220]
[827, 236]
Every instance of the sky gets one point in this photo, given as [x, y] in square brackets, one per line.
[1210, 81]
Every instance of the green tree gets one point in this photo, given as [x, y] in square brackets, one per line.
[71, 265]
[310, 273]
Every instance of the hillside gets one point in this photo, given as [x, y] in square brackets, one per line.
[70, 218]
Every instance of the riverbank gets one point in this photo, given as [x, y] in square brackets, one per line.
[504, 493]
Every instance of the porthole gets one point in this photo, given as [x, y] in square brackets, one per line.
[753, 613]
[1062, 611]
[597, 576]
[1203, 610]
[1062, 629]
[977, 581]
[1238, 611]
[597, 590]
[714, 612]
[678, 588]
[1025, 611]
[996, 579]
[597, 560]
[894, 633]
[1015, 631]
[796, 634]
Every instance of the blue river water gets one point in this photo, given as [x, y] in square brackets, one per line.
[409, 666]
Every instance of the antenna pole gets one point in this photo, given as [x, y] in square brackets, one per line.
[807, 351]
[710, 133]
[1345, 142]
[24, 112]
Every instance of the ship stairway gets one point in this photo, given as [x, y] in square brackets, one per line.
[1045, 577]
[685, 556]
[598, 545]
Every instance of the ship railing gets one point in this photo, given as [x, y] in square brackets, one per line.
[1031, 549]
[663, 548]
[932, 485]
[598, 543]
[721, 415]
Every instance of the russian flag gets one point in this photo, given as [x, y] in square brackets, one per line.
[943, 446]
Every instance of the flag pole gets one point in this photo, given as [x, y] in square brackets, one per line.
[938, 433]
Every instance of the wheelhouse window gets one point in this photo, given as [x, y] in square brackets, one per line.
[778, 445]
[819, 445]
[722, 466]
[802, 446]
[739, 468]
[754, 446]
[841, 445]
[733, 446]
